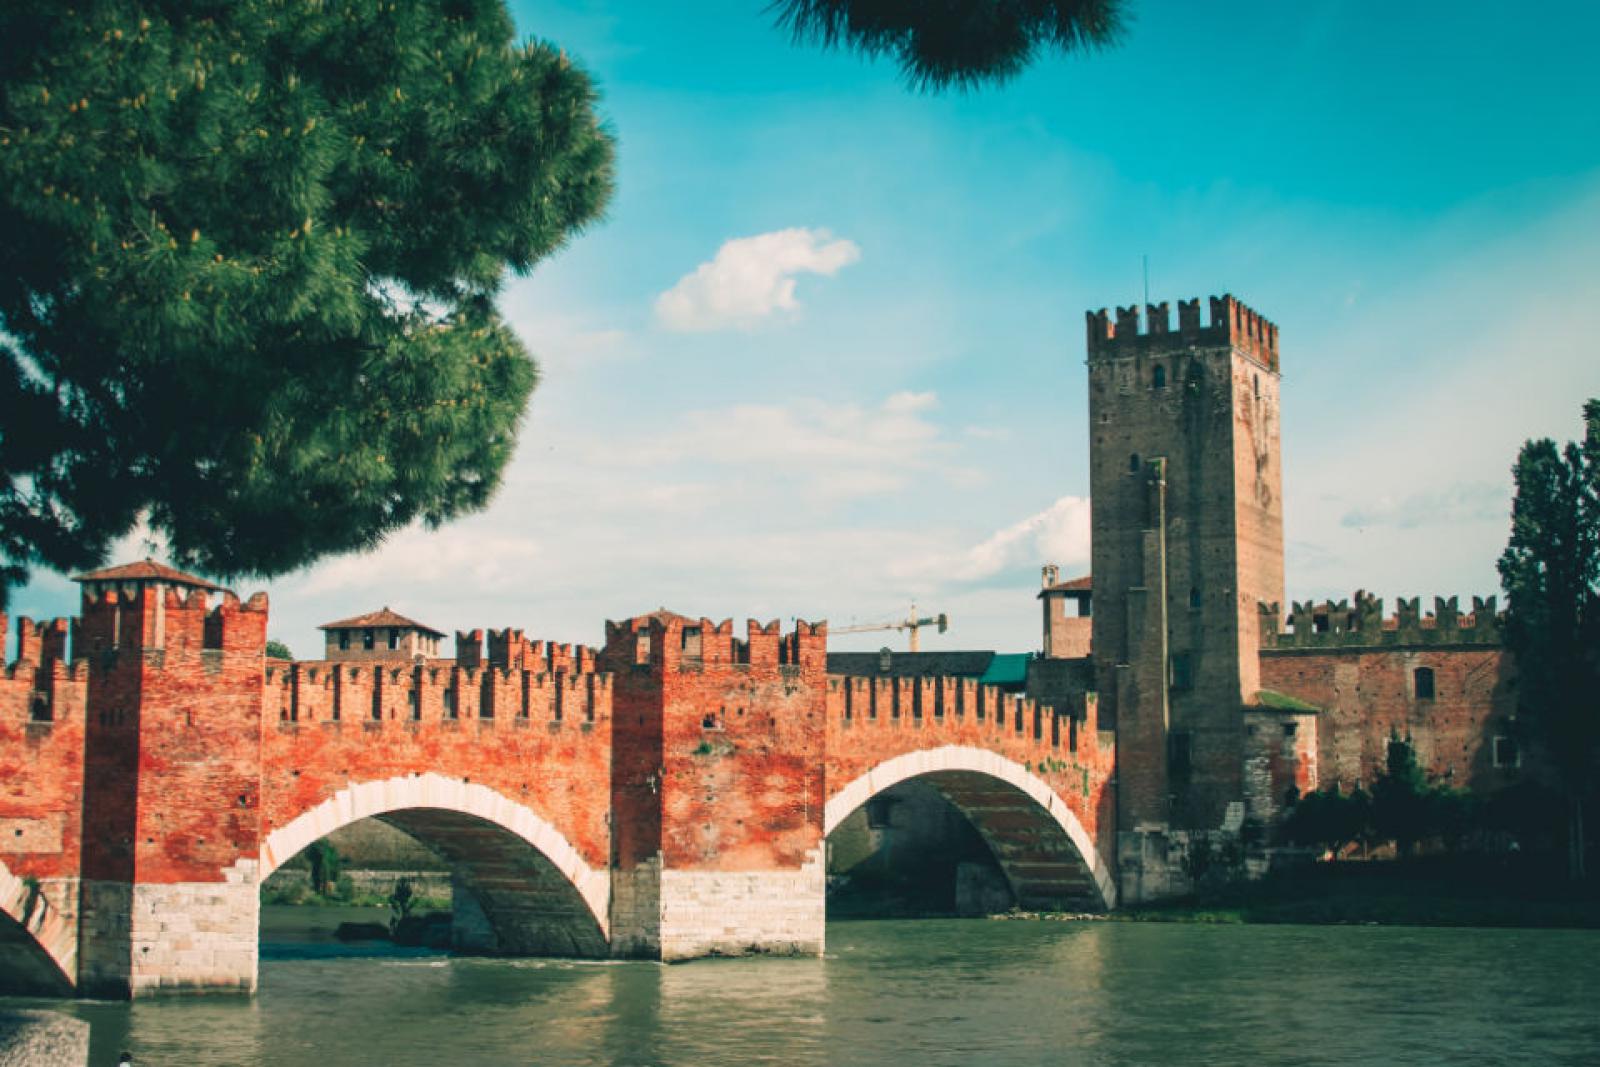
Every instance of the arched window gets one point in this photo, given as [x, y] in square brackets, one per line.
[1158, 377]
[1133, 463]
[1422, 682]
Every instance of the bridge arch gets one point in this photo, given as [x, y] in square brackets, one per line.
[38, 947]
[1046, 853]
[532, 893]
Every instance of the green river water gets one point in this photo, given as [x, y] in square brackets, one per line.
[931, 992]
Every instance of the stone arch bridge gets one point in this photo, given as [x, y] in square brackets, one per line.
[666, 796]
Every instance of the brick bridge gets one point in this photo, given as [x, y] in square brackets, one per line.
[667, 796]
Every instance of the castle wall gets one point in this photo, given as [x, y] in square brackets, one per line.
[1361, 669]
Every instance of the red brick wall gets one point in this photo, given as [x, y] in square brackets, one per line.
[515, 742]
[871, 720]
[41, 763]
[173, 765]
[1366, 693]
[719, 743]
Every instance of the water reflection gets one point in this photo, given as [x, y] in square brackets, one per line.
[926, 993]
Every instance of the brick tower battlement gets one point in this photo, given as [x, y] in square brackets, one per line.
[668, 640]
[1232, 323]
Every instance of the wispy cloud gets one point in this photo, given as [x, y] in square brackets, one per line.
[1450, 506]
[1059, 534]
[751, 278]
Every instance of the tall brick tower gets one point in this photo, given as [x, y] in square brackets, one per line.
[1187, 538]
[717, 790]
[172, 782]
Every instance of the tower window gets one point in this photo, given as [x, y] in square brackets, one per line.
[1182, 671]
[394, 638]
[1257, 379]
[1422, 682]
[1158, 377]
[369, 639]
[1194, 597]
[1133, 463]
[344, 640]
[1180, 754]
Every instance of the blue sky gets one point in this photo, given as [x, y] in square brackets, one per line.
[824, 356]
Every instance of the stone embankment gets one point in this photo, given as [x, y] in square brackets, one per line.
[42, 1039]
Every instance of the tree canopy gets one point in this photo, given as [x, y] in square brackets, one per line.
[1551, 573]
[959, 43]
[249, 255]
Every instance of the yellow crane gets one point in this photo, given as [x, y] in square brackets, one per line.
[911, 624]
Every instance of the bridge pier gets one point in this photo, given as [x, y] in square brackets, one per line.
[675, 915]
[176, 937]
[717, 788]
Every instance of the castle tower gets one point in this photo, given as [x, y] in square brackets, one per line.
[1187, 527]
[171, 784]
[717, 790]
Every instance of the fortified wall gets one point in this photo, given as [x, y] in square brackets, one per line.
[1443, 680]
[668, 795]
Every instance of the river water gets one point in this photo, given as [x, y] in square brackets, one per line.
[930, 992]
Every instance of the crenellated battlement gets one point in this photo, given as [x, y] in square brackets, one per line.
[1231, 323]
[960, 703]
[666, 640]
[1362, 623]
[439, 690]
[178, 620]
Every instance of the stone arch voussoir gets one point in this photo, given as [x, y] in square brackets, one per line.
[961, 759]
[41, 956]
[367, 800]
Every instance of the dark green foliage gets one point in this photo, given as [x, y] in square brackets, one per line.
[278, 650]
[325, 865]
[401, 902]
[1551, 573]
[963, 43]
[1400, 807]
[1330, 819]
[250, 249]
[1211, 865]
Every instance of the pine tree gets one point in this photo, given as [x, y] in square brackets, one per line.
[960, 43]
[249, 255]
[1551, 573]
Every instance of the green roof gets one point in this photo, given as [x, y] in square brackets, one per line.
[1271, 698]
[1007, 668]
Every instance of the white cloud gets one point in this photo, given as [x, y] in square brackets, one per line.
[750, 278]
[1059, 534]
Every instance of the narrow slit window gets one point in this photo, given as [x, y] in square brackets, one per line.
[1422, 680]
[1158, 377]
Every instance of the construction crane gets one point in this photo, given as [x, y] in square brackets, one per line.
[911, 624]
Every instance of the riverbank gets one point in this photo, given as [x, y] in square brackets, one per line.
[1434, 891]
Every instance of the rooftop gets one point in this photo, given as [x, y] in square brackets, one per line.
[384, 617]
[146, 570]
[1082, 584]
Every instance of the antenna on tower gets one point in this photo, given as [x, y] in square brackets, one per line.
[1146, 259]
